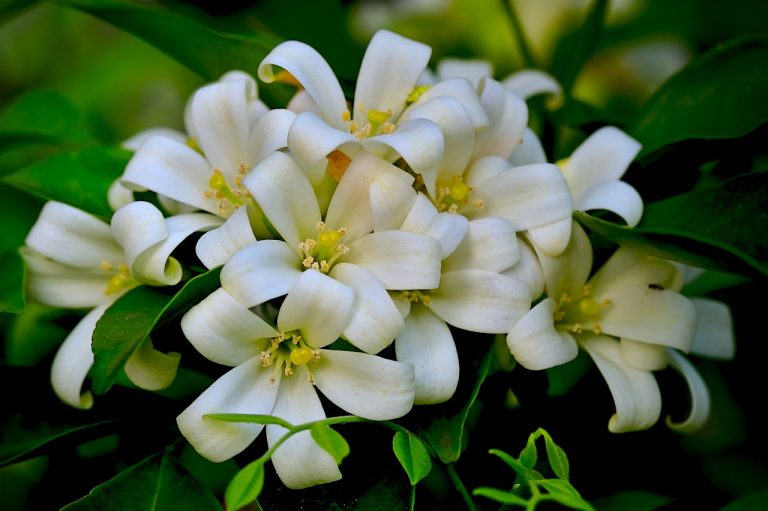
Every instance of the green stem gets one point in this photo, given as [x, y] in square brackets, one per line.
[412, 505]
[460, 487]
[519, 34]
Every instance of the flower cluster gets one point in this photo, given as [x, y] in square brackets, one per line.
[423, 205]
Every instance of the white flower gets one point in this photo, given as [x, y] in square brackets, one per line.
[276, 373]
[76, 261]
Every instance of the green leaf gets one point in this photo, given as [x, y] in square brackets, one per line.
[42, 116]
[158, 483]
[446, 434]
[500, 496]
[721, 94]
[34, 334]
[516, 465]
[529, 454]
[717, 228]
[632, 500]
[80, 178]
[564, 493]
[557, 457]
[758, 500]
[412, 455]
[251, 418]
[562, 378]
[185, 33]
[23, 208]
[12, 282]
[331, 441]
[128, 321]
[246, 486]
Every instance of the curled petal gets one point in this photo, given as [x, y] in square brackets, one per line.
[471, 69]
[314, 74]
[269, 134]
[490, 244]
[375, 320]
[303, 102]
[224, 330]
[261, 271]
[508, 116]
[392, 196]
[399, 259]
[529, 151]
[151, 369]
[59, 285]
[391, 66]
[632, 267]
[643, 356]
[133, 143]
[536, 344]
[311, 139]
[299, 461]
[528, 271]
[567, 273]
[700, 402]
[447, 228]
[118, 195]
[615, 196]
[635, 393]
[365, 385]
[465, 92]
[218, 245]
[318, 306]
[248, 388]
[427, 343]
[532, 82]
[714, 330]
[551, 239]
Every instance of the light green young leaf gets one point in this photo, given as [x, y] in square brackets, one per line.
[251, 418]
[558, 460]
[157, 483]
[564, 493]
[12, 282]
[331, 441]
[246, 486]
[632, 500]
[516, 465]
[80, 178]
[500, 496]
[721, 94]
[529, 454]
[128, 321]
[412, 455]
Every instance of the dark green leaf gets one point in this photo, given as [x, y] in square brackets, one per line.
[331, 441]
[246, 486]
[184, 33]
[23, 208]
[564, 493]
[712, 281]
[719, 228]
[446, 434]
[562, 378]
[529, 454]
[500, 496]
[557, 457]
[128, 321]
[251, 418]
[750, 502]
[34, 334]
[632, 500]
[12, 282]
[718, 95]
[157, 483]
[80, 179]
[42, 116]
[412, 455]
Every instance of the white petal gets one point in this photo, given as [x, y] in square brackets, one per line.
[419, 141]
[174, 207]
[490, 244]
[507, 124]
[261, 271]
[700, 402]
[447, 228]
[568, 272]
[224, 331]
[286, 196]
[603, 157]
[615, 196]
[635, 393]
[529, 151]
[217, 246]
[318, 306]
[473, 70]
[375, 320]
[151, 369]
[714, 330]
[391, 66]
[427, 343]
[133, 143]
[530, 82]
[313, 73]
[138, 226]
[73, 237]
[528, 196]
[172, 169]
[632, 267]
[299, 461]
[219, 114]
[536, 344]
[656, 316]
[245, 389]
[118, 195]
[365, 385]
[643, 356]
[399, 259]
[551, 239]
[303, 102]
[528, 270]
[59, 285]
[465, 92]
[311, 139]
[480, 301]
[269, 134]
[73, 361]
[392, 196]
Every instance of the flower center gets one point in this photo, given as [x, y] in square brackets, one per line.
[230, 198]
[322, 251]
[578, 313]
[287, 350]
[416, 296]
[416, 93]
[455, 195]
[378, 123]
[120, 281]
